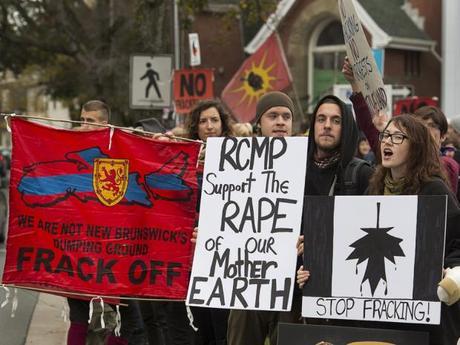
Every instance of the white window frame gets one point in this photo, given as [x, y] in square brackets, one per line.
[314, 48]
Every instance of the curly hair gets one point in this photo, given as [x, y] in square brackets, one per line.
[424, 163]
[194, 118]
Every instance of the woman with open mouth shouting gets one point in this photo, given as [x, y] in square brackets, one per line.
[411, 166]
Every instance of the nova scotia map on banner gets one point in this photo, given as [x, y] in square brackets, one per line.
[100, 214]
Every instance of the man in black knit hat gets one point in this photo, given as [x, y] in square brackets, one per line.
[274, 115]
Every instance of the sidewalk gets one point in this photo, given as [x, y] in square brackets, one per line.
[47, 325]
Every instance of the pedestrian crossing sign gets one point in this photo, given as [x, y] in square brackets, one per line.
[150, 81]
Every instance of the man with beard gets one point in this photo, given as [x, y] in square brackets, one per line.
[331, 150]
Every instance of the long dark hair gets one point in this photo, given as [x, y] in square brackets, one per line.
[424, 163]
[194, 118]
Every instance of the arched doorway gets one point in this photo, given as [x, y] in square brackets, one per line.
[326, 54]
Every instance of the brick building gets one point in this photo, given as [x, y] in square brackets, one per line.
[407, 34]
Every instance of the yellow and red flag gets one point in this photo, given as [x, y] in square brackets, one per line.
[265, 70]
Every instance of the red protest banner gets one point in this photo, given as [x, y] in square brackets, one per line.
[411, 104]
[100, 214]
[191, 86]
[265, 70]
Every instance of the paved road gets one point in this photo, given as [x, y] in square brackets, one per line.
[13, 331]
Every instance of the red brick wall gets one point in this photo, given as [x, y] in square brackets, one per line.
[221, 47]
[285, 26]
[427, 84]
[429, 81]
[432, 11]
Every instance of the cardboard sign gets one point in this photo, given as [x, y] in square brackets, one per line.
[375, 258]
[362, 60]
[291, 334]
[191, 86]
[251, 209]
[89, 217]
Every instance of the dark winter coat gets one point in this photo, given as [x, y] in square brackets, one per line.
[319, 181]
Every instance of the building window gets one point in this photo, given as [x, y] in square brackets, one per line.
[331, 35]
[412, 64]
[327, 55]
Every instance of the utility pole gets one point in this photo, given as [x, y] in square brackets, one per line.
[176, 35]
[177, 119]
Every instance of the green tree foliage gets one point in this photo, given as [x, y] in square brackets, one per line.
[82, 47]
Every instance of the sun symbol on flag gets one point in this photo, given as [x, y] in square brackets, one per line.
[256, 81]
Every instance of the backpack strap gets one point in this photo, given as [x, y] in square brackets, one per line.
[350, 177]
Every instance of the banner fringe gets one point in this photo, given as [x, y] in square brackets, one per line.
[14, 304]
[7, 297]
[190, 318]
[90, 296]
[65, 311]
[117, 321]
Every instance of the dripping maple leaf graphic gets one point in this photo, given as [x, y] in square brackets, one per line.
[375, 246]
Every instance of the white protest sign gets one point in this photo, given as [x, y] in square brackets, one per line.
[362, 61]
[374, 258]
[250, 218]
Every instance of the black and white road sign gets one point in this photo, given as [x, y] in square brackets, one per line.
[150, 81]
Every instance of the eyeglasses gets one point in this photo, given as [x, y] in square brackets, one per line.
[396, 138]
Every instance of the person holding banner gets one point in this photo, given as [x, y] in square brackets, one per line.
[209, 119]
[431, 116]
[332, 168]
[274, 117]
[94, 112]
[411, 166]
[97, 112]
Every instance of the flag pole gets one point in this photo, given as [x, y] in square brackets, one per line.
[297, 99]
[294, 89]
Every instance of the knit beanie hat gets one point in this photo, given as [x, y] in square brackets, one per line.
[455, 123]
[273, 99]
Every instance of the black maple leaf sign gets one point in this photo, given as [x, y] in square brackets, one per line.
[375, 246]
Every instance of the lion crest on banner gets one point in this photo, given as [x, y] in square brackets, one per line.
[110, 179]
